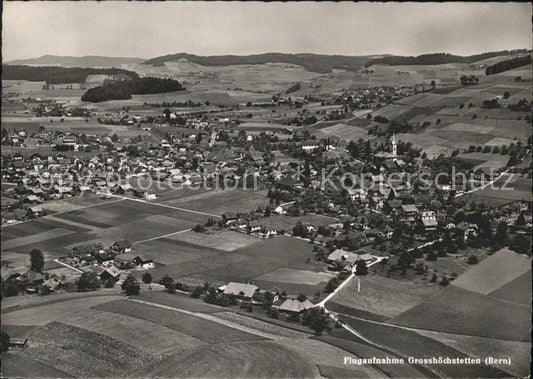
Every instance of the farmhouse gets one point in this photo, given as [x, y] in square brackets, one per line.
[294, 306]
[112, 273]
[340, 256]
[429, 220]
[144, 261]
[122, 246]
[239, 290]
[34, 212]
[408, 212]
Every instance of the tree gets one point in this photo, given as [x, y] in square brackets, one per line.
[332, 284]
[431, 256]
[130, 286]
[361, 268]
[197, 292]
[167, 281]
[299, 230]
[472, 260]
[506, 95]
[88, 281]
[520, 221]
[198, 228]
[521, 244]
[36, 260]
[501, 233]
[211, 295]
[4, 341]
[301, 298]
[147, 278]
[317, 319]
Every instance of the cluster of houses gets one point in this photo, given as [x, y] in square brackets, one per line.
[251, 294]
[108, 263]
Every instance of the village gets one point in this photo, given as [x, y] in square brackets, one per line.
[266, 190]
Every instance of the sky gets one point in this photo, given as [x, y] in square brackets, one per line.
[151, 29]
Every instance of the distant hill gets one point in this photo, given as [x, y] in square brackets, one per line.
[89, 61]
[312, 62]
[439, 58]
[56, 74]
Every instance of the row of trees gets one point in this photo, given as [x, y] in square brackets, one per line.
[122, 90]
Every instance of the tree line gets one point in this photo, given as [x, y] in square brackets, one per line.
[122, 90]
[508, 64]
[56, 74]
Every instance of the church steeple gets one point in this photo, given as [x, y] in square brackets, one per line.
[394, 145]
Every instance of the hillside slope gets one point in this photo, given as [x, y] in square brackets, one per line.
[89, 61]
[312, 62]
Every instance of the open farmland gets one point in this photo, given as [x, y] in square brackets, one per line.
[383, 296]
[80, 352]
[156, 339]
[235, 360]
[516, 290]
[105, 222]
[18, 365]
[343, 132]
[42, 314]
[411, 344]
[494, 272]
[481, 347]
[510, 187]
[199, 328]
[226, 240]
[454, 310]
[179, 300]
[249, 263]
[283, 222]
[342, 339]
[223, 201]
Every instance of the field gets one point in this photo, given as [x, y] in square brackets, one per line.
[198, 328]
[410, 344]
[248, 264]
[80, 352]
[490, 160]
[225, 240]
[383, 296]
[235, 360]
[510, 187]
[156, 339]
[283, 222]
[342, 339]
[487, 347]
[454, 124]
[46, 313]
[104, 221]
[343, 132]
[494, 272]
[454, 310]
[180, 301]
[514, 290]
[16, 364]
[220, 202]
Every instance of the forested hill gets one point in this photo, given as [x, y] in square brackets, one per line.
[438, 58]
[55, 75]
[122, 90]
[312, 62]
[508, 64]
[90, 61]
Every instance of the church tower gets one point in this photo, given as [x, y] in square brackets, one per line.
[394, 145]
